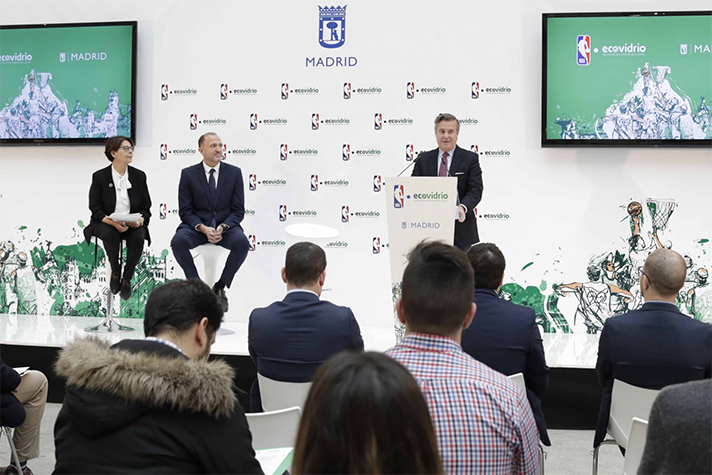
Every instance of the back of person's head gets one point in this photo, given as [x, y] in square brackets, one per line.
[176, 306]
[304, 263]
[437, 289]
[488, 263]
[666, 271]
[365, 414]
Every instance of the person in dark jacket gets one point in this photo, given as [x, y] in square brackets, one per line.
[119, 189]
[503, 335]
[155, 405]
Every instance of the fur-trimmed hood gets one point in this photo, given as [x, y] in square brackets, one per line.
[108, 388]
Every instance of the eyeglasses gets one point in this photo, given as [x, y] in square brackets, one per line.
[647, 277]
[127, 148]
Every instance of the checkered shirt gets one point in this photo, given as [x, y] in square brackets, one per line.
[483, 421]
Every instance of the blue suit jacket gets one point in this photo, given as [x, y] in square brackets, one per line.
[12, 413]
[290, 339]
[195, 204]
[505, 337]
[652, 347]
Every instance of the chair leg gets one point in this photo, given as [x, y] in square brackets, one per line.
[542, 457]
[15, 458]
[595, 454]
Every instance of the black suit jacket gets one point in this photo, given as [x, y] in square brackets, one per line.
[195, 204]
[12, 413]
[505, 337]
[652, 347]
[290, 339]
[465, 166]
[102, 198]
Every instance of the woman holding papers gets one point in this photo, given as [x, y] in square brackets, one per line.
[120, 208]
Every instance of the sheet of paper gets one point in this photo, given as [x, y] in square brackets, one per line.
[125, 218]
[275, 461]
[22, 369]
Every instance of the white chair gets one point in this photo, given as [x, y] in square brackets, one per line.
[636, 444]
[271, 430]
[518, 378]
[627, 402]
[213, 255]
[15, 459]
[278, 395]
[108, 325]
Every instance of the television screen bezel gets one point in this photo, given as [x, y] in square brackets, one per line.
[84, 140]
[643, 143]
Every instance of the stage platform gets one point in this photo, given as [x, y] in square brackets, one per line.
[570, 403]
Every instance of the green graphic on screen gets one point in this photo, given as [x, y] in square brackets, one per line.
[629, 78]
[72, 82]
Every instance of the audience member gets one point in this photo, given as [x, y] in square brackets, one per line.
[22, 404]
[365, 414]
[503, 335]
[154, 405]
[483, 421]
[290, 339]
[680, 431]
[656, 345]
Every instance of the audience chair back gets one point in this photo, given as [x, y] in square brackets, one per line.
[278, 395]
[627, 402]
[276, 429]
[518, 379]
[214, 258]
[15, 459]
[636, 444]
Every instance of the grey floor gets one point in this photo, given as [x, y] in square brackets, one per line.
[570, 453]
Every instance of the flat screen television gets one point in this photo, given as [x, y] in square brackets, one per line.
[627, 79]
[67, 83]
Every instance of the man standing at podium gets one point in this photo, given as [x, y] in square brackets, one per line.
[450, 160]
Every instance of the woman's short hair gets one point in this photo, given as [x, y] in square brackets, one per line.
[114, 143]
[365, 414]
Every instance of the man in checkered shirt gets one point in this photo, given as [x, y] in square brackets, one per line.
[483, 421]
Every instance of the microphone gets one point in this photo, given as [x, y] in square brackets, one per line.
[411, 164]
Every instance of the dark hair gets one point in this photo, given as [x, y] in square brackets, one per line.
[202, 138]
[114, 143]
[304, 262]
[178, 305]
[365, 414]
[437, 288]
[488, 263]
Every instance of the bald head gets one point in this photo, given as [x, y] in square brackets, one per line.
[666, 271]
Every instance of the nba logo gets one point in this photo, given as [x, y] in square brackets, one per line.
[410, 90]
[193, 121]
[347, 90]
[282, 212]
[409, 153]
[164, 92]
[475, 90]
[315, 121]
[224, 151]
[283, 151]
[252, 240]
[252, 182]
[162, 210]
[376, 183]
[223, 92]
[344, 214]
[398, 197]
[285, 91]
[253, 121]
[164, 151]
[315, 182]
[378, 121]
[583, 50]
[475, 148]
[346, 152]
[376, 246]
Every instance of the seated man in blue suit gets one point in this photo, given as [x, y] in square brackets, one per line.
[503, 335]
[290, 339]
[656, 345]
[211, 198]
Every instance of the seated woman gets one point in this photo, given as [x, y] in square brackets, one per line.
[121, 189]
[365, 414]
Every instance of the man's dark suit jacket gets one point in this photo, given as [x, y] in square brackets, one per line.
[290, 339]
[102, 198]
[465, 166]
[505, 337]
[196, 205]
[12, 413]
[652, 347]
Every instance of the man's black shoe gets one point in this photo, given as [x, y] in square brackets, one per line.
[115, 284]
[125, 289]
[222, 297]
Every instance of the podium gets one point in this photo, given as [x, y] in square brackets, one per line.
[417, 208]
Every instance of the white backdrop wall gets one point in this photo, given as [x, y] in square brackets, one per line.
[553, 212]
